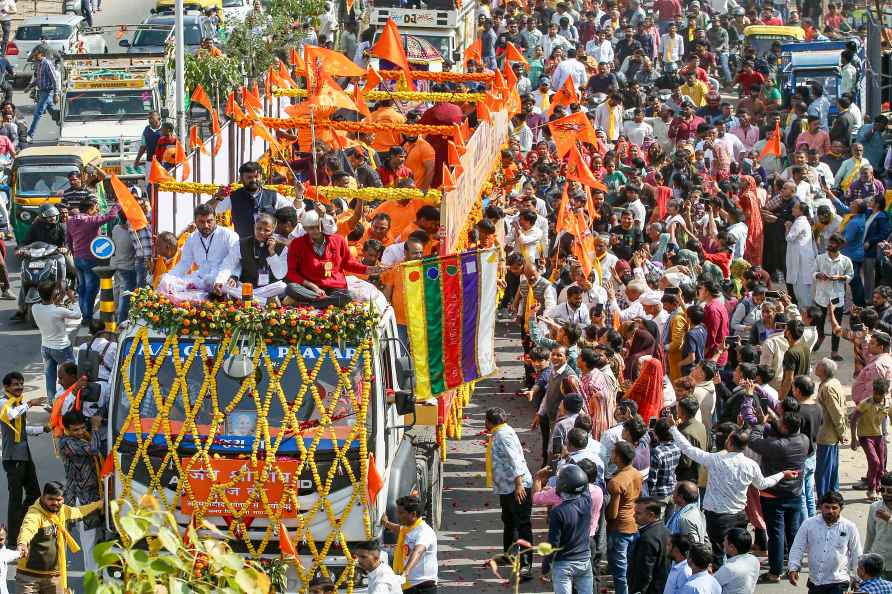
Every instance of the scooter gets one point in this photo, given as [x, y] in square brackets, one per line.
[41, 263]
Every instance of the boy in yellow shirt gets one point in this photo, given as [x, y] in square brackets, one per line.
[867, 429]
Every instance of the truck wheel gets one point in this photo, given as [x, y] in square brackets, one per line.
[430, 479]
[436, 497]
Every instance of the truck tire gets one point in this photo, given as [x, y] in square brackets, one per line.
[430, 478]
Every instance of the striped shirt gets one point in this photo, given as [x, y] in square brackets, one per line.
[45, 76]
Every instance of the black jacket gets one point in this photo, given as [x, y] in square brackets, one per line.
[779, 453]
[649, 560]
[568, 528]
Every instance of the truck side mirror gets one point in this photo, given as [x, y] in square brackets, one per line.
[404, 372]
[404, 401]
[124, 43]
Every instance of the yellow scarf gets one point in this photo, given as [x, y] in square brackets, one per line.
[399, 555]
[66, 541]
[611, 122]
[670, 49]
[856, 170]
[492, 437]
[16, 423]
[596, 265]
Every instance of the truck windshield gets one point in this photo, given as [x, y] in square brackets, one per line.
[42, 180]
[36, 32]
[829, 80]
[233, 3]
[108, 104]
[152, 35]
[241, 409]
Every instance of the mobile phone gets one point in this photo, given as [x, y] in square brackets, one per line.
[772, 294]
[652, 422]
[732, 341]
[780, 325]
[835, 301]
[671, 291]
[598, 310]
[859, 327]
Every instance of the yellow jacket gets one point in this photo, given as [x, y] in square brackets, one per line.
[45, 544]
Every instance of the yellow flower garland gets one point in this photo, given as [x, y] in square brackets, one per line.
[328, 192]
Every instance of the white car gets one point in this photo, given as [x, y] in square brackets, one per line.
[63, 34]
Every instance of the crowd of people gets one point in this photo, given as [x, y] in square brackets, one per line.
[687, 424]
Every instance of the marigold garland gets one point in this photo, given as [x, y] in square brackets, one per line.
[328, 192]
[432, 97]
[351, 323]
[441, 76]
[412, 129]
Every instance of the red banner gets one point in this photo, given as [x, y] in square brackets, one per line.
[241, 477]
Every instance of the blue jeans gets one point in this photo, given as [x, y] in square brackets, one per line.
[127, 280]
[141, 269]
[52, 358]
[87, 286]
[618, 560]
[807, 507]
[724, 66]
[44, 103]
[827, 469]
[569, 576]
[782, 521]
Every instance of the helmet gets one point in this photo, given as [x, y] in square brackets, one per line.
[739, 11]
[572, 480]
[48, 211]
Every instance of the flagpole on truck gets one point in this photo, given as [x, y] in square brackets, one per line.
[179, 59]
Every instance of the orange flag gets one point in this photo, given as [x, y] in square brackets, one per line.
[454, 157]
[131, 208]
[252, 103]
[448, 179]
[359, 100]
[474, 52]
[773, 145]
[577, 170]
[466, 129]
[230, 105]
[255, 91]
[390, 47]
[215, 127]
[195, 141]
[509, 76]
[108, 466]
[200, 96]
[259, 129]
[580, 246]
[285, 76]
[512, 54]
[183, 159]
[483, 112]
[372, 80]
[336, 63]
[565, 220]
[374, 483]
[158, 174]
[567, 130]
[237, 114]
[285, 547]
[566, 95]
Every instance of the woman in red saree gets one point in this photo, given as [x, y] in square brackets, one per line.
[749, 203]
[641, 345]
[647, 391]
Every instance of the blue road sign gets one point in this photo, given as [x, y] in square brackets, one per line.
[102, 248]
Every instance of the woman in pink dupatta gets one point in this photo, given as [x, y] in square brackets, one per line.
[749, 203]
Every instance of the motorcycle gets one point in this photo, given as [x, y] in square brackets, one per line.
[41, 263]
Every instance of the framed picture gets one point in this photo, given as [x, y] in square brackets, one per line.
[241, 422]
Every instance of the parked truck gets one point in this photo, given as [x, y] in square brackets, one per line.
[106, 102]
[450, 29]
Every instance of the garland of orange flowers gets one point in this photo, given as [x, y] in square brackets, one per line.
[369, 194]
[411, 129]
[431, 97]
[441, 76]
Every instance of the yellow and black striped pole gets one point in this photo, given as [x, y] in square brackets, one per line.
[106, 297]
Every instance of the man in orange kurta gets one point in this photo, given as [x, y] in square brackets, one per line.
[387, 114]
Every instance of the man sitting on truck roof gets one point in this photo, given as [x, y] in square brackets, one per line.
[260, 260]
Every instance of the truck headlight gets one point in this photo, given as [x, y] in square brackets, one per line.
[26, 216]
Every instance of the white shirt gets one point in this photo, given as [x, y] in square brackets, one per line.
[208, 253]
[601, 51]
[832, 551]
[549, 43]
[678, 575]
[590, 298]
[826, 290]
[738, 231]
[564, 313]
[609, 439]
[637, 132]
[730, 473]
[50, 320]
[674, 53]
[569, 68]
[382, 580]
[232, 266]
[633, 312]
[738, 575]
[705, 395]
[90, 409]
[7, 556]
[602, 120]
[732, 145]
[426, 568]
[639, 213]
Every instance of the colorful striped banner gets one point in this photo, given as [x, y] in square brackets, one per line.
[451, 312]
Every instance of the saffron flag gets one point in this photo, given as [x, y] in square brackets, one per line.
[448, 178]
[390, 47]
[566, 95]
[284, 76]
[215, 128]
[512, 54]
[336, 63]
[183, 159]
[285, 546]
[567, 130]
[374, 482]
[158, 174]
[577, 170]
[475, 52]
[195, 141]
[372, 80]
[200, 96]
[451, 313]
[297, 61]
[136, 216]
[108, 466]
[773, 145]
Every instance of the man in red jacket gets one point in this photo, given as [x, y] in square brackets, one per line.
[317, 264]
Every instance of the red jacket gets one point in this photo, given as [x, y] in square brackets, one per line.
[304, 264]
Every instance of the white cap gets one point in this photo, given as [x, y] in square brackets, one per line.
[310, 219]
[652, 298]
[329, 226]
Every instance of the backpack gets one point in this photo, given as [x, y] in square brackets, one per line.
[90, 361]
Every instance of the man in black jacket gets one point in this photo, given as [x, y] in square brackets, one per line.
[568, 531]
[649, 556]
[784, 449]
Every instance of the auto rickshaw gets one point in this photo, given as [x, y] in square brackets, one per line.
[761, 37]
[167, 6]
[40, 176]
